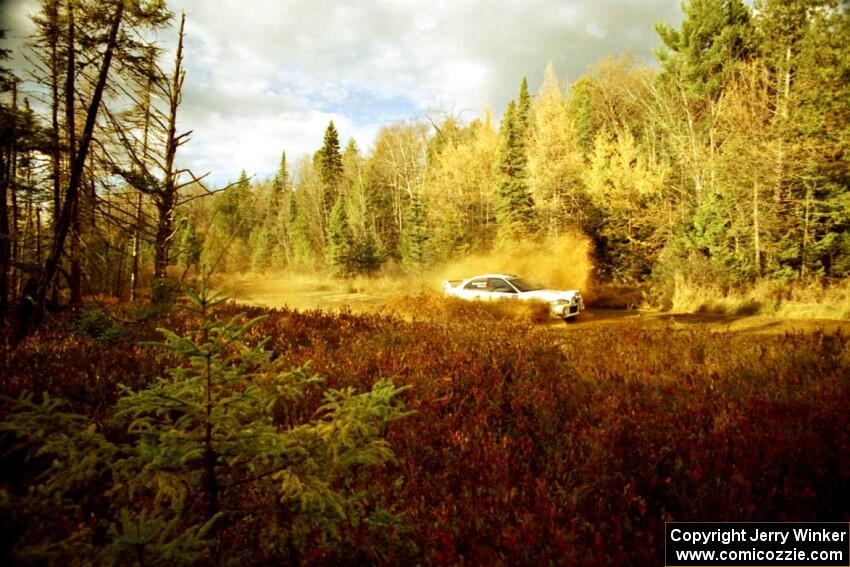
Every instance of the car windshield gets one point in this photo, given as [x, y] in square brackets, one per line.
[524, 285]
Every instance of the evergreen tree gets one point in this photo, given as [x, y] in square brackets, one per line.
[624, 185]
[188, 245]
[369, 253]
[329, 162]
[523, 112]
[582, 112]
[351, 161]
[302, 248]
[270, 240]
[232, 208]
[307, 218]
[804, 47]
[341, 245]
[262, 242]
[715, 34]
[515, 210]
[415, 236]
[227, 242]
[281, 181]
[282, 217]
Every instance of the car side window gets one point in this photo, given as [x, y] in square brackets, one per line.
[500, 285]
[479, 284]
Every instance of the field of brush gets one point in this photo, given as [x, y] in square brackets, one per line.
[529, 446]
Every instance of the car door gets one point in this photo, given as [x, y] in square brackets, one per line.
[499, 288]
[476, 289]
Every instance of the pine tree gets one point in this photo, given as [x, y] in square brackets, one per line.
[415, 236]
[515, 210]
[270, 241]
[341, 244]
[282, 217]
[227, 243]
[369, 253]
[329, 162]
[188, 245]
[309, 224]
[714, 36]
[523, 112]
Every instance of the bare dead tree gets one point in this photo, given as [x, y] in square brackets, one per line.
[153, 172]
[31, 310]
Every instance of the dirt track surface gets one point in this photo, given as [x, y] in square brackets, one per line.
[286, 293]
[748, 324]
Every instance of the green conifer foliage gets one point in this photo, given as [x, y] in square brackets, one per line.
[188, 245]
[523, 112]
[302, 245]
[262, 243]
[226, 245]
[329, 161]
[714, 35]
[581, 111]
[415, 236]
[270, 240]
[231, 208]
[341, 244]
[515, 210]
[369, 253]
[804, 48]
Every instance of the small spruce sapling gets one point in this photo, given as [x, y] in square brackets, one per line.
[212, 434]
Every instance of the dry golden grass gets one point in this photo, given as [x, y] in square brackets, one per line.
[799, 300]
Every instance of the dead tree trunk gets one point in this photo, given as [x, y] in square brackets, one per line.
[5, 248]
[167, 198]
[70, 125]
[32, 315]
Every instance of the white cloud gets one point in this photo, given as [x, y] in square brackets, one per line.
[264, 76]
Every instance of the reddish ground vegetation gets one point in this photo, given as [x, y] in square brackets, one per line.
[534, 447]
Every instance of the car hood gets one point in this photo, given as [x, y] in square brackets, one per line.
[550, 294]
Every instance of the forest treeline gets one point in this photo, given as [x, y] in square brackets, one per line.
[727, 163]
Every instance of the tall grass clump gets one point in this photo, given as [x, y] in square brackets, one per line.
[797, 299]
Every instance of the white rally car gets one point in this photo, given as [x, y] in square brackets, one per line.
[563, 304]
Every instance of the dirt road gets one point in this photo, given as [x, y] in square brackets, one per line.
[750, 324]
[301, 294]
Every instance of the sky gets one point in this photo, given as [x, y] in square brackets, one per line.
[266, 76]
